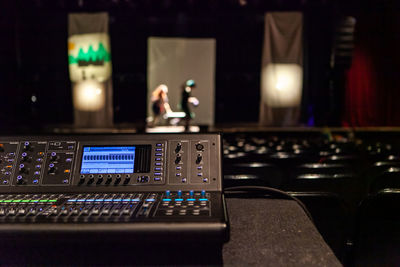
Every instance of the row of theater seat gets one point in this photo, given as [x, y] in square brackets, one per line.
[342, 179]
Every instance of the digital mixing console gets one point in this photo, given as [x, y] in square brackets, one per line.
[141, 185]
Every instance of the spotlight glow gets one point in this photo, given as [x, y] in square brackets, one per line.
[89, 96]
[282, 84]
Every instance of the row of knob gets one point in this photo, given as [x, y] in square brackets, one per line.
[109, 179]
[199, 147]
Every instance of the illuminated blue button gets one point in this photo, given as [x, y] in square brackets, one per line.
[157, 179]
[135, 199]
[158, 149]
[108, 199]
[203, 193]
[191, 199]
[158, 164]
[126, 199]
[158, 154]
[203, 199]
[178, 199]
[157, 168]
[118, 199]
[167, 193]
[158, 159]
[166, 199]
[179, 192]
[191, 192]
[158, 144]
[89, 199]
[80, 200]
[69, 200]
[150, 199]
[99, 200]
[157, 173]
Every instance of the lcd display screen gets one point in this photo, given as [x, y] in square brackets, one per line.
[108, 159]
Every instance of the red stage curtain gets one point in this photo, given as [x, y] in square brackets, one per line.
[373, 81]
[361, 96]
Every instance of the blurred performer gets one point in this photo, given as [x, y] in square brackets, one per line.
[159, 103]
[187, 99]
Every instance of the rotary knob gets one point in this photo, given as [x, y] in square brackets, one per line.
[53, 156]
[199, 147]
[82, 180]
[24, 157]
[178, 147]
[127, 180]
[22, 168]
[117, 180]
[52, 168]
[20, 179]
[178, 159]
[27, 146]
[199, 158]
[91, 180]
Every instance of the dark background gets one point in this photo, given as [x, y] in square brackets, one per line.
[33, 54]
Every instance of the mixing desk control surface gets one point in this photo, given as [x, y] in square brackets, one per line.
[140, 183]
[102, 207]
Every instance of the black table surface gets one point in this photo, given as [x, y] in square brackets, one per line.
[273, 232]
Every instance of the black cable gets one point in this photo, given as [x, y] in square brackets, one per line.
[270, 191]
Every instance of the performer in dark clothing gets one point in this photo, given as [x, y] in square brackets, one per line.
[187, 87]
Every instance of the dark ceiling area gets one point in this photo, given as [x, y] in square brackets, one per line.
[33, 54]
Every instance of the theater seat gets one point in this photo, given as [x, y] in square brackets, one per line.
[331, 217]
[389, 178]
[378, 237]
[253, 173]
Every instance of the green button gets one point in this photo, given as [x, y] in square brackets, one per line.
[1, 200]
[16, 200]
[43, 200]
[8, 200]
[26, 200]
[53, 200]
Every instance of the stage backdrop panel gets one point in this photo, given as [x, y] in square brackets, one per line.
[172, 61]
[282, 71]
[89, 59]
